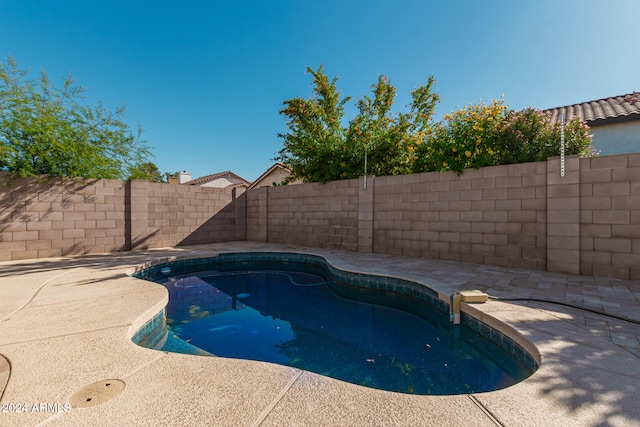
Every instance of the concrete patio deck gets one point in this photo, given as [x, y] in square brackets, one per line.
[66, 323]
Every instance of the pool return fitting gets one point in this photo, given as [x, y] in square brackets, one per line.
[463, 296]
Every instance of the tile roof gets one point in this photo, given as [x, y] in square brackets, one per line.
[213, 177]
[593, 112]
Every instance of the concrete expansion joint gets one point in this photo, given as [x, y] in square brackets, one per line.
[70, 334]
[79, 399]
[144, 365]
[485, 410]
[51, 419]
[279, 397]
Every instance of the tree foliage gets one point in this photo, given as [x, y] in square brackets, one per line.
[45, 130]
[319, 147]
[313, 147]
[390, 139]
[147, 171]
[529, 136]
[486, 135]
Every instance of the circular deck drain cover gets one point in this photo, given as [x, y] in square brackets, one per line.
[96, 393]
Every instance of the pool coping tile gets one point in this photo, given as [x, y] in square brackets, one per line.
[168, 389]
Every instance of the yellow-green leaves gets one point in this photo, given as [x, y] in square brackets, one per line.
[483, 135]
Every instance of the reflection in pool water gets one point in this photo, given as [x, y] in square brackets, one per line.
[296, 318]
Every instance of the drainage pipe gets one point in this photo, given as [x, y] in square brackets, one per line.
[602, 313]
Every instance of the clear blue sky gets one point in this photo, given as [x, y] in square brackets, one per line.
[206, 79]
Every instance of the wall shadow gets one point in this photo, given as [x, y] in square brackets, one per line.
[17, 197]
[228, 224]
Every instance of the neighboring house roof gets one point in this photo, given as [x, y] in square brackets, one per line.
[268, 172]
[216, 176]
[618, 108]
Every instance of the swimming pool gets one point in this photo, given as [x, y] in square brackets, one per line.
[297, 310]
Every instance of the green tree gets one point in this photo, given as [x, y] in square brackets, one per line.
[47, 131]
[169, 175]
[313, 145]
[390, 140]
[319, 148]
[147, 171]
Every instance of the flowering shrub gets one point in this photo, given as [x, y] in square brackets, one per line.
[484, 135]
[528, 136]
[463, 139]
[319, 147]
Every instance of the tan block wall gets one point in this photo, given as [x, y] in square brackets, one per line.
[526, 215]
[563, 215]
[610, 216]
[59, 218]
[67, 217]
[257, 214]
[320, 215]
[184, 215]
[494, 215]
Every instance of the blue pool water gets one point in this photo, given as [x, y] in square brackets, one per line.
[298, 315]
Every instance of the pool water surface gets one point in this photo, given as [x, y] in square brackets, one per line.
[298, 316]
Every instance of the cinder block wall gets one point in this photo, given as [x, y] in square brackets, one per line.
[494, 215]
[182, 214]
[610, 216]
[320, 215]
[60, 217]
[70, 217]
[257, 214]
[525, 215]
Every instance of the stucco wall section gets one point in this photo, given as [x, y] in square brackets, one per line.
[616, 138]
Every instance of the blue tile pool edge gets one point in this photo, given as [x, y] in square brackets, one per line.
[157, 321]
[152, 269]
